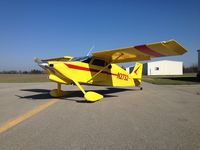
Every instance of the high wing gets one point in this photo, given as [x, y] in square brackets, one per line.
[141, 52]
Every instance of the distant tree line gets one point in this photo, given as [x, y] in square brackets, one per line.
[191, 69]
[34, 71]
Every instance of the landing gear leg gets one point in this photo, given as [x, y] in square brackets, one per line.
[58, 92]
[89, 96]
[59, 87]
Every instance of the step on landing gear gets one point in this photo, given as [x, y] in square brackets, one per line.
[89, 96]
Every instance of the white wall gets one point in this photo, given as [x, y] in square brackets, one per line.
[128, 69]
[165, 67]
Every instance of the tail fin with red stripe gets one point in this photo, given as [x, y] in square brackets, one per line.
[136, 74]
[137, 71]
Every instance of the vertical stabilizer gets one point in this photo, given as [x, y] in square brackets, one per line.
[136, 74]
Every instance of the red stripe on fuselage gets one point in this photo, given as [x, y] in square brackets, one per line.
[145, 49]
[87, 69]
[78, 67]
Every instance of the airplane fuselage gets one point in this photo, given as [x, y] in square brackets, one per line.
[89, 73]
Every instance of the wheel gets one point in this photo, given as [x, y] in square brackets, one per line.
[92, 96]
[56, 93]
[59, 93]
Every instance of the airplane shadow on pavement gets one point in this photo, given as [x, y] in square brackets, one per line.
[43, 94]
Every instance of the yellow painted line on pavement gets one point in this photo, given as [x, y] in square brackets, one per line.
[11, 123]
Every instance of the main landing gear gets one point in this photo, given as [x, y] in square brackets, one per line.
[89, 96]
[58, 92]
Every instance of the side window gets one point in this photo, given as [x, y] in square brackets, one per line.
[98, 62]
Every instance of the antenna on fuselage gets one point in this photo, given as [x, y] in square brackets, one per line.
[90, 50]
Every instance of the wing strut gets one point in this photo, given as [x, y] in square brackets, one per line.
[98, 72]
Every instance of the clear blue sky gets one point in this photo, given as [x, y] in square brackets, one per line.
[45, 28]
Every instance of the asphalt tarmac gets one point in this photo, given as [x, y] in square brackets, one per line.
[158, 117]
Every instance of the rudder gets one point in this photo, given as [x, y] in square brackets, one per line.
[136, 74]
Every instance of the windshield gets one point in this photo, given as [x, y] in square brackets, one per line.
[80, 58]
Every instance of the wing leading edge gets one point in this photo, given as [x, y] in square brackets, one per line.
[141, 52]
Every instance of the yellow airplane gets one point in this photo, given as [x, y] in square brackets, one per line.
[100, 68]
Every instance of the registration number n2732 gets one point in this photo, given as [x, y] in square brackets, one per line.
[122, 76]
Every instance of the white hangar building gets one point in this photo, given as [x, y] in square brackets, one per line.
[163, 67]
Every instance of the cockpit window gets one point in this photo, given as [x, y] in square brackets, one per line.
[99, 62]
[83, 59]
[87, 59]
